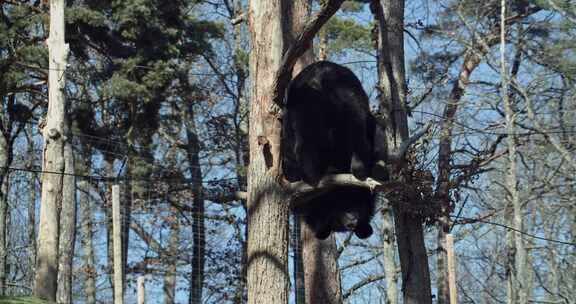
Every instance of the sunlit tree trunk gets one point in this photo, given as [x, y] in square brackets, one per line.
[67, 229]
[55, 139]
[241, 149]
[172, 258]
[268, 278]
[392, 83]
[517, 274]
[86, 227]
[388, 247]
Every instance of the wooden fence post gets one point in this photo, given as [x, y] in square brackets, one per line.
[451, 268]
[141, 290]
[117, 240]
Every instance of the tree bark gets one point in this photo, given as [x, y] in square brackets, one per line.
[241, 151]
[268, 210]
[172, 257]
[388, 241]
[31, 210]
[409, 226]
[4, 163]
[107, 209]
[321, 273]
[86, 224]
[198, 229]
[67, 229]
[516, 266]
[6, 157]
[55, 138]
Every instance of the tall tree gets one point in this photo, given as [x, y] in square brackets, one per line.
[267, 207]
[87, 229]
[271, 64]
[19, 97]
[392, 85]
[57, 162]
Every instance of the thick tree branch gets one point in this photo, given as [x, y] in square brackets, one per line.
[296, 49]
[302, 192]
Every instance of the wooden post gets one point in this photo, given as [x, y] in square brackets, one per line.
[117, 240]
[451, 268]
[141, 290]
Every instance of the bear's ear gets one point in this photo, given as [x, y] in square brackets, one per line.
[363, 231]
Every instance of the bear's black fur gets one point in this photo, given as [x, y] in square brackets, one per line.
[328, 128]
[325, 125]
[338, 210]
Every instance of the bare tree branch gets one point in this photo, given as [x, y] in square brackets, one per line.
[399, 154]
[303, 192]
[296, 49]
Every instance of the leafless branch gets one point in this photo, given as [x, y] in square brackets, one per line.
[399, 154]
[300, 45]
[238, 19]
[366, 281]
[303, 192]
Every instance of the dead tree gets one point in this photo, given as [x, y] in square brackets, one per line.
[57, 165]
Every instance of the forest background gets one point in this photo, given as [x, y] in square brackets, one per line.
[157, 101]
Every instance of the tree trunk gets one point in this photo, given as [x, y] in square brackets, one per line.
[241, 151]
[67, 229]
[55, 138]
[472, 59]
[516, 267]
[31, 210]
[388, 241]
[409, 226]
[107, 209]
[268, 210]
[321, 275]
[198, 229]
[132, 189]
[86, 226]
[4, 163]
[170, 276]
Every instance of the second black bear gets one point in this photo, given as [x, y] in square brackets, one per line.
[328, 128]
[325, 125]
[338, 210]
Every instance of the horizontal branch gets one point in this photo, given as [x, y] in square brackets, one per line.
[302, 192]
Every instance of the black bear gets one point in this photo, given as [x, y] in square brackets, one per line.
[328, 128]
[325, 125]
[340, 209]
